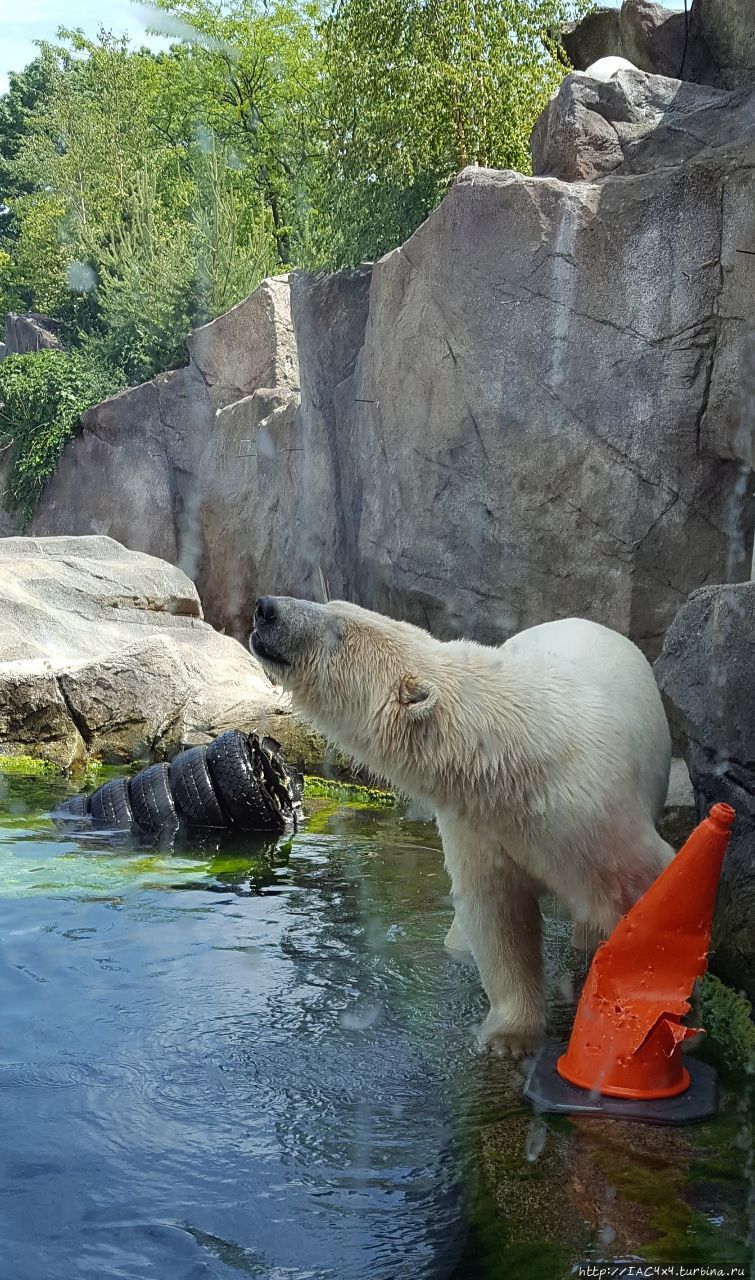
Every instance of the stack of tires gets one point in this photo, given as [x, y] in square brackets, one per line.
[238, 783]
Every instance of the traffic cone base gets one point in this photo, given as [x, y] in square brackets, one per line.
[547, 1090]
[627, 1036]
[615, 1091]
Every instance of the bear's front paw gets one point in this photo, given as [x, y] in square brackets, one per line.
[498, 1035]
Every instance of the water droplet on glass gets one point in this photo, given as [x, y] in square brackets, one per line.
[360, 1017]
[537, 1134]
[81, 277]
[265, 444]
[204, 139]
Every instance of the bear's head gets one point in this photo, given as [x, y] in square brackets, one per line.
[368, 683]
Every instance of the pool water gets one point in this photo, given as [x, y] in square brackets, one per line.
[260, 1062]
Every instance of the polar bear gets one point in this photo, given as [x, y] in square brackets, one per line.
[546, 762]
[606, 68]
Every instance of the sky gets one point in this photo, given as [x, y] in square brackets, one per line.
[24, 21]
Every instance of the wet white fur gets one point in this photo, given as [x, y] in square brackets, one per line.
[606, 68]
[546, 762]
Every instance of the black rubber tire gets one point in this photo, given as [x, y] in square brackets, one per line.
[244, 799]
[74, 806]
[151, 800]
[193, 791]
[272, 772]
[110, 806]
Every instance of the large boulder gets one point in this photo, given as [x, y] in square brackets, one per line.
[103, 652]
[647, 34]
[10, 521]
[726, 28]
[28, 332]
[629, 124]
[537, 412]
[535, 407]
[152, 448]
[712, 44]
[706, 672]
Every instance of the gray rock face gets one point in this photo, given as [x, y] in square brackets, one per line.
[536, 407]
[104, 652]
[225, 467]
[647, 34]
[716, 48]
[153, 448]
[9, 520]
[572, 476]
[707, 674]
[728, 32]
[630, 124]
[29, 332]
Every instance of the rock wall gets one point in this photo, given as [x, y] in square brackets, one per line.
[707, 674]
[531, 409]
[713, 44]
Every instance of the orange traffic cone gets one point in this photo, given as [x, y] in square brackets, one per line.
[626, 1040]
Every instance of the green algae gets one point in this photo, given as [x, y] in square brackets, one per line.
[521, 1224]
[665, 1184]
[314, 784]
[348, 791]
[29, 766]
[38, 767]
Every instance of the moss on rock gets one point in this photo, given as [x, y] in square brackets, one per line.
[730, 1041]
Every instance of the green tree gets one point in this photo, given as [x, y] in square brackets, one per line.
[28, 92]
[415, 90]
[250, 72]
[81, 143]
[142, 201]
[146, 193]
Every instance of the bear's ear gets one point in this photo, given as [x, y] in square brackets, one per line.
[417, 695]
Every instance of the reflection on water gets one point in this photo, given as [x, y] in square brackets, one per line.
[271, 1073]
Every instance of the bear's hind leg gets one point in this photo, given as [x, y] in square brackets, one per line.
[611, 896]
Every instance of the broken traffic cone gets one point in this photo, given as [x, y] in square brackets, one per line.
[625, 1047]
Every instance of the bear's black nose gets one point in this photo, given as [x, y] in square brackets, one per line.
[266, 610]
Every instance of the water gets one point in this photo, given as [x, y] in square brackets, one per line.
[243, 1064]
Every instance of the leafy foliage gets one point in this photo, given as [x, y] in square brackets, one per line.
[42, 396]
[141, 195]
[415, 91]
[28, 93]
[149, 194]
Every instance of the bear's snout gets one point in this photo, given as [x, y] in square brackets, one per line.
[265, 642]
[285, 630]
[266, 610]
